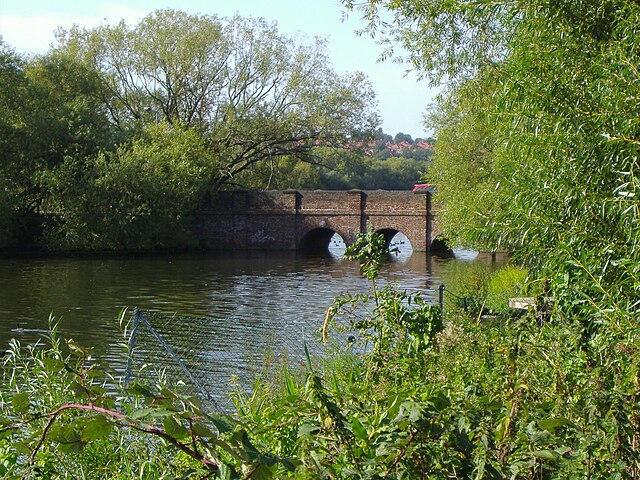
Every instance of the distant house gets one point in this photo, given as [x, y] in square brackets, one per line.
[423, 144]
[390, 148]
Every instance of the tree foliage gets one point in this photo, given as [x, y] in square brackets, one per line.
[51, 109]
[551, 119]
[79, 125]
[466, 163]
[557, 107]
[573, 97]
[443, 40]
[253, 93]
[137, 197]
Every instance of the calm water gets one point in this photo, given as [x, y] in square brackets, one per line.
[250, 301]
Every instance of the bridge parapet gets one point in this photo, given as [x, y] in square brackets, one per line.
[389, 201]
[331, 201]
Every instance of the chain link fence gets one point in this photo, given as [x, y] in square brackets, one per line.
[210, 358]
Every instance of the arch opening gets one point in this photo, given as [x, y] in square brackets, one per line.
[323, 242]
[439, 245]
[397, 241]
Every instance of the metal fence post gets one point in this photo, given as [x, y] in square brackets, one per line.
[441, 298]
[131, 345]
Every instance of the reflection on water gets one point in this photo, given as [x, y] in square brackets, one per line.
[400, 245]
[336, 246]
[250, 300]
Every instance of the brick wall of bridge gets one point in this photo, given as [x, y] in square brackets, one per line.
[249, 220]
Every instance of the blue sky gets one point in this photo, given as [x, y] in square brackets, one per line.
[28, 25]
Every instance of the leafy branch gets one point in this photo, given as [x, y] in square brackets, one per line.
[121, 420]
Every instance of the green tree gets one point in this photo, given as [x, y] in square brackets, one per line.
[465, 164]
[563, 129]
[444, 40]
[137, 197]
[50, 109]
[402, 173]
[171, 66]
[12, 79]
[403, 137]
[573, 125]
[253, 93]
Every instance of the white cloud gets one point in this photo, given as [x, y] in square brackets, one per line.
[29, 35]
[35, 33]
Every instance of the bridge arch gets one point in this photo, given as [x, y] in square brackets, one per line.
[439, 244]
[317, 240]
[390, 233]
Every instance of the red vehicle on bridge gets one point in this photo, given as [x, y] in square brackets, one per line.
[425, 187]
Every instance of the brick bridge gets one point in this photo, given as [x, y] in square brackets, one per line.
[306, 220]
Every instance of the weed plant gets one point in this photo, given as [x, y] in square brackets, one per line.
[508, 282]
[466, 284]
[58, 420]
[515, 398]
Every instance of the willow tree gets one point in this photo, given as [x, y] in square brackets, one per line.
[466, 161]
[253, 93]
[556, 86]
[559, 113]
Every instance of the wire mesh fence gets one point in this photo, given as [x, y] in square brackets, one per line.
[211, 358]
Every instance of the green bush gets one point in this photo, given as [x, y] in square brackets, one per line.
[466, 286]
[137, 198]
[58, 420]
[507, 282]
[503, 400]
[510, 399]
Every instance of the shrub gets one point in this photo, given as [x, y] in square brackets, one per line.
[507, 282]
[57, 420]
[138, 197]
[466, 286]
